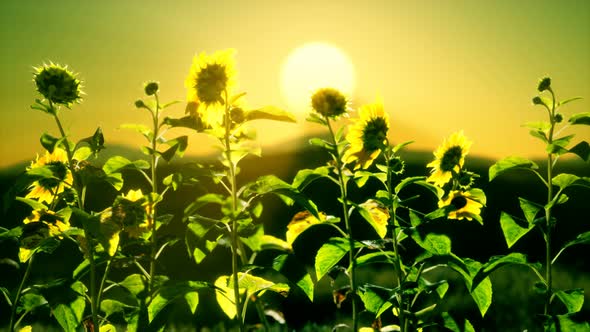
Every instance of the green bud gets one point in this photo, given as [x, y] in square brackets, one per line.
[151, 88]
[558, 117]
[544, 84]
[139, 104]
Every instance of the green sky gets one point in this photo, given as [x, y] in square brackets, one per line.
[440, 66]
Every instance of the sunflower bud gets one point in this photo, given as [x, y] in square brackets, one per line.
[544, 84]
[237, 115]
[57, 84]
[151, 88]
[139, 103]
[328, 102]
[558, 117]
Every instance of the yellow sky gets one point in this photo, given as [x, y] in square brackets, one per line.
[440, 66]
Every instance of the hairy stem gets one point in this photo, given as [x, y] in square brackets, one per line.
[548, 208]
[152, 206]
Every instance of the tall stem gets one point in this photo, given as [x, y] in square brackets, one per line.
[152, 205]
[398, 267]
[548, 265]
[234, 223]
[351, 256]
[18, 293]
[76, 187]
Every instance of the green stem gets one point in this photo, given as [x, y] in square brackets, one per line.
[104, 276]
[548, 264]
[152, 205]
[398, 267]
[351, 256]
[234, 223]
[18, 293]
[76, 187]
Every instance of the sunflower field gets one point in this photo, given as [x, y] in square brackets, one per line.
[357, 236]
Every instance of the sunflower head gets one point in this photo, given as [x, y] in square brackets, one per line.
[449, 158]
[57, 84]
[367, 135]
[130, 213]
[329, 102]
[45, 189]
[461, 205]
[209, 79]
[54, 223]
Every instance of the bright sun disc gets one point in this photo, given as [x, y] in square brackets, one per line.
[313, 66]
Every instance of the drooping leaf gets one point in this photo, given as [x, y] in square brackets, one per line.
[510, 163]
[377, 216]
[558, 146]
[30, 301]
[496, 262]
[583, 238]
[177, 147]
[329, 255]
[49, 142]
[134, 283]
[118, 163]
[271, 184]
[421, 181]
[573, 299]
[580, 118]
[565, 180]
[375, 257]
[111, 307]
[582, 150]
[529, 209]
[305, 177]
[375, 298]
[270, 113]
[36, 205]
[513, 230]
[188, 121]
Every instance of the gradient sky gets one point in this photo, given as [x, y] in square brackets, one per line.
[440, 66]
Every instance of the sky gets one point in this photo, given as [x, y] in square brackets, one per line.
[440, 66]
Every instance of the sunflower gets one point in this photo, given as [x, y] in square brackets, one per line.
[329, 102]
[367, 135]
[449, 158]
[463, 205]
[208, 80]
[57, 84]
[47, 188]
[132, 210]
[54, 222]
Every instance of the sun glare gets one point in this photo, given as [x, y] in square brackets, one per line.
[312, 66]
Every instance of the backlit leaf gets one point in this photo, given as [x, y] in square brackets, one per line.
[510, 163]
[270, 113]
[572, 299]
[580, 118]
[582, 150]
[329, 255]
[512, 229]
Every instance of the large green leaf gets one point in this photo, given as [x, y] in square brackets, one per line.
[573, 299]
[67, 303]
[529, 209]
[173, 291]
[177, 147]
[134, 283]
[30, 301]
[377, 216]
[580, 118]
[421, 181]
[329, 255]
[270, 113]
[375, 257]
[559, 145]
[375, 298]
[438, 244]
[513, 230]
[110, 307]
[510, 163]
[450, 323]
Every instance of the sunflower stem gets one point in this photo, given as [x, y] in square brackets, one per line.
[548, 208]
[234, 223]
[18, 294]
[76, 188]
[152, 206]
[398, 265]
[343, 196]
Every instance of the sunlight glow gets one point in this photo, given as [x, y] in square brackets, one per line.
[313, 66]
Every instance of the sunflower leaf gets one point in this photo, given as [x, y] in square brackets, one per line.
[558, 146]
[496, 262]
[270, 113]
[582, 150]
[573, 299]
[580, 118]
[567, 101]
[514, 230]
[510, 163]
[329, 255]
[305, 177]
[49, 142]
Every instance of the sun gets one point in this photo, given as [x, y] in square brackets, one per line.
[312, 66]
